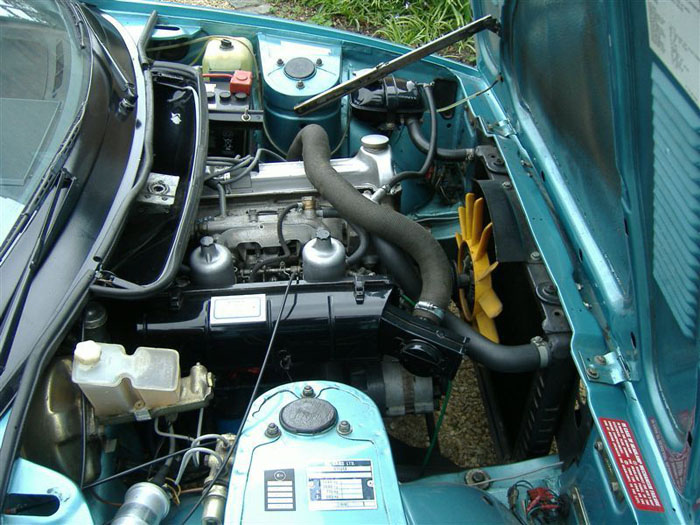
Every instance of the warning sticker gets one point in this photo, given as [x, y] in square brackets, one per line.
[279, 489]
[341, 485]
[631, 464]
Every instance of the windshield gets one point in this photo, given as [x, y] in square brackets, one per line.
[43, 76]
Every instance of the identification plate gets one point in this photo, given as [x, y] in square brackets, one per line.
[236, 309]
[341, 485]
[279, 490]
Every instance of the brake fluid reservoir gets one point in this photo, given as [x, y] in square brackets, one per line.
[314, 452]
[294, 71]
[226, 55]
[115, 383]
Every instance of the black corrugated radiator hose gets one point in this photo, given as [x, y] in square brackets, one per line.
[311, 145]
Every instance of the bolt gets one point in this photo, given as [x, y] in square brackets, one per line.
[344, 428]
[280, 62]
[507, 185]
[536, 256]
[319, 62]
[587, 305]
[550, 289]
[498, 162]
[308, 391]
[600, 360]
[300, 84]
[598, 445]
[591, 372]
[272, 430]
[579, 286]
[477, 477]
[614, 486]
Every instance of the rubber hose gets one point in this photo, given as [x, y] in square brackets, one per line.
[222, 199]
[400, 265]
[420, 142]
[361, 250]
[330, 213]
[429, 151]
[494, 356]
[311, 144]
[283, 243]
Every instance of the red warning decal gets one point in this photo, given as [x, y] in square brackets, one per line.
[630, 462]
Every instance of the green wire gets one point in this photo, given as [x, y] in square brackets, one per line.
[443, 409]
[408, 300]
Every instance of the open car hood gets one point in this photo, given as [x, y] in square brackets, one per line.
[604, 96]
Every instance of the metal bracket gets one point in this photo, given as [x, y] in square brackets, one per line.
[359, 290]
[502, 128]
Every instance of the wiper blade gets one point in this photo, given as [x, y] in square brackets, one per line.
[79, 24]
[127, 88]
[61, 185]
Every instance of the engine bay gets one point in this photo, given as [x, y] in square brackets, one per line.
[287, 285]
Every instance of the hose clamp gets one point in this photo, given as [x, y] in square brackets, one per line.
[431, 308]
[542, 348]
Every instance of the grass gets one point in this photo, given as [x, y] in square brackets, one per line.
[407, 22]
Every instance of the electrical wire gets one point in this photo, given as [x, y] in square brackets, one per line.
[518, 475]
[83, 421]
[232, 450]
[248, 165]
[135, 469]
[470, 97]
[434, 439]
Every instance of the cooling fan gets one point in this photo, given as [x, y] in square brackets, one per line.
[478, 303]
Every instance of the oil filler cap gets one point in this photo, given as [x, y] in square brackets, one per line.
[308, 416]
[300, 68]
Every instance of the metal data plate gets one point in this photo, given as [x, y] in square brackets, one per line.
[237, 309]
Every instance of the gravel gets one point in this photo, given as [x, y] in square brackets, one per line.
[464, 438]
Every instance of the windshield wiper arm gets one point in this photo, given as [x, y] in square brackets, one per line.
[127, 88]
[61, 184]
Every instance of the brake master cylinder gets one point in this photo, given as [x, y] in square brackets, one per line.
[314, 452]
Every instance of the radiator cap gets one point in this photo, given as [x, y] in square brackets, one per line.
[308, 415]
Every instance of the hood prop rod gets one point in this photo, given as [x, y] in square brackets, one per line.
[380, 71]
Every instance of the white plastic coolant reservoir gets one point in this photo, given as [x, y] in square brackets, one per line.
[117, 383]
[226, 55]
